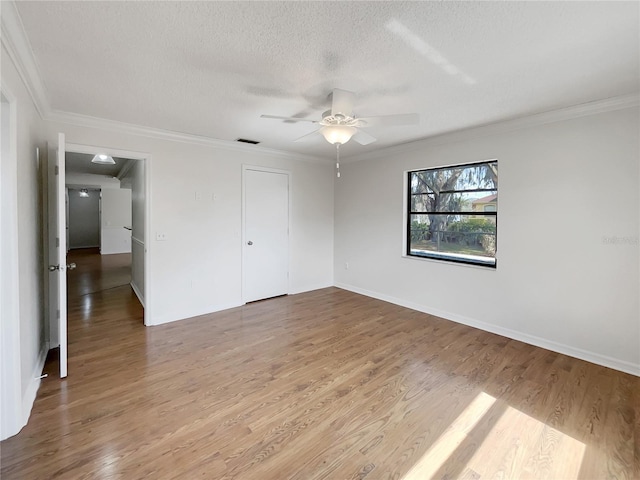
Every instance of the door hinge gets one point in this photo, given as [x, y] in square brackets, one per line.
[58, 313]
[57, 170]
[57, 242]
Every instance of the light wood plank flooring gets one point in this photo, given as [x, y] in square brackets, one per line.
[322, 385]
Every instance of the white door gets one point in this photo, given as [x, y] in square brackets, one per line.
[57, 252]
[266, 234]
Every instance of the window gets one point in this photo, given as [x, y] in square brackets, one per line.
[453, 213]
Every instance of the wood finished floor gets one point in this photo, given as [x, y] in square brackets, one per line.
[322, 385]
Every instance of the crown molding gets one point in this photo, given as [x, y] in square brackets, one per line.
[576, 111]
[126, 169]
[19, 49]
[161, 134]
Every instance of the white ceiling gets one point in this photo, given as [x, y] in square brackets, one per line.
[211, 68]
[81, 163]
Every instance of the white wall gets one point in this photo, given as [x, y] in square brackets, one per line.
[84, 219]
[198, 268]
[136, 178]
[138, 196]
[137, 268]
[82, 180]
[565, 190]
[30, 269]
[115, 216]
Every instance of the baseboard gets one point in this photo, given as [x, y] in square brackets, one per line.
[605, 361]
[114, 252]
[32, 389]
[220, 307]
[136, 290]
[310, 288]
[193, 313]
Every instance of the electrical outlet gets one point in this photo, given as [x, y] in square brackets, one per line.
[346, 265]
[161, 237]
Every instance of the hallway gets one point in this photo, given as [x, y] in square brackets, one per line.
[101, 305]
[95, 272]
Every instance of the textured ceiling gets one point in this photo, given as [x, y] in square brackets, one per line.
[211, 68]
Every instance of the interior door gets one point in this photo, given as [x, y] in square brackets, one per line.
[57, 224]
[266, 234]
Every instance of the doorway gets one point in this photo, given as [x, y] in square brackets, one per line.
[123, 211]
[265, 233]
[113, 260]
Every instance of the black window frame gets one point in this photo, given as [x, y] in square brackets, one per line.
[410, 213]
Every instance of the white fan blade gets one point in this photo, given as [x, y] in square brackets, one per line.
[390, 120]
[342, 102]
[289, 119]
[363, 138]
[306, 136]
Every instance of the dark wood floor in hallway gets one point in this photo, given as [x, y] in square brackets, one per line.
[322, 385]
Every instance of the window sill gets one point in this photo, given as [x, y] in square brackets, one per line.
[453, 261]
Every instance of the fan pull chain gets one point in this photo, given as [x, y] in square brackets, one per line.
[338, 160]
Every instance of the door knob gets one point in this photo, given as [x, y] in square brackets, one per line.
[249, 242]
[70, 266]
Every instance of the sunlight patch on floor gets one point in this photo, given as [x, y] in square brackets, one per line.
[523, 447]
[511, 445]
[449, 441]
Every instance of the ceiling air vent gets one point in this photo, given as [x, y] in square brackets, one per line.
[244, 140]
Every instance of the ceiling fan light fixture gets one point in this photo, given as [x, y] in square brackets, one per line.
[339, 123]
[337, 134]
[103, 159]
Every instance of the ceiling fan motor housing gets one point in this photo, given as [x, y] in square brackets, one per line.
[338, 119]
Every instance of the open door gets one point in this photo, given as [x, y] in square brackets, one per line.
[57, 224]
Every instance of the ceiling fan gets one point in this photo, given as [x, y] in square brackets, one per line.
[339, 124]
